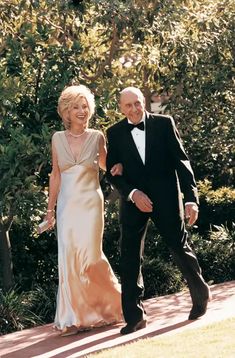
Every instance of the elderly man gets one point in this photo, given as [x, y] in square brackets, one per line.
[156, 171]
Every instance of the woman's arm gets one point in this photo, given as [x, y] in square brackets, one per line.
[102, 152]
[54, 186]
[117, 169]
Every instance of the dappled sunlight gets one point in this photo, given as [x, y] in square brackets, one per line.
[166, 315]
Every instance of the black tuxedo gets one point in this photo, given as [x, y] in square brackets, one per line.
[165, 176]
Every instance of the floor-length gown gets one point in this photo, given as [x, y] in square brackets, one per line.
[88, 292]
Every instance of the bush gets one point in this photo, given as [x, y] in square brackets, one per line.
[217, 207]
[216, 254]
[15, 312]
[43, 301]
[34, 258]
[20, 310]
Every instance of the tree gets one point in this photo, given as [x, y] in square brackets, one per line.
[28, 77]
[183, 48]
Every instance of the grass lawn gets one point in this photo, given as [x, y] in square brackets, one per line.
[214, 341]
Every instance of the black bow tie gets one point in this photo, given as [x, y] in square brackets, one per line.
[139, 126]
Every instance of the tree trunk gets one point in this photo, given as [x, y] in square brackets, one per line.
[6, 266]
[146, 90]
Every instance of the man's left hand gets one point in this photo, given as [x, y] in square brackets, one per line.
[191, 213]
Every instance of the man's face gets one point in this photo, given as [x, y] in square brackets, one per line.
[132, 105]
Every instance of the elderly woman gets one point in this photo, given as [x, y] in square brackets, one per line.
[88, 292]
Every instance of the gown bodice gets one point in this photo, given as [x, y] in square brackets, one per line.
[89, 154]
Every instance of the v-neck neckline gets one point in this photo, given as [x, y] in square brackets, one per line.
[76, 159]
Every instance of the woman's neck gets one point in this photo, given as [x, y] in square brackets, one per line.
[77, 131]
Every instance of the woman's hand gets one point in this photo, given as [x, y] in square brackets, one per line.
[50, 217]
[117, 169]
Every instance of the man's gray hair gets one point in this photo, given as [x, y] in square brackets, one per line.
[134, 90]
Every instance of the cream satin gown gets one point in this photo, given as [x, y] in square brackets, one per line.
[88, 292]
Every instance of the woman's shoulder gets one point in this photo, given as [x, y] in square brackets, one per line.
[95, 132]
[57, 134]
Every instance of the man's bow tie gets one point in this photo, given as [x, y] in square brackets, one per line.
[139, 126]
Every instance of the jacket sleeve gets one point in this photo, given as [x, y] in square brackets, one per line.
[182, 165]
[113, 157]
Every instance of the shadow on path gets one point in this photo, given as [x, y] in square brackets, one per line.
[166, 315]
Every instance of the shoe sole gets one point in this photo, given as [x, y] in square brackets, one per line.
[67, 334]
[141, 325]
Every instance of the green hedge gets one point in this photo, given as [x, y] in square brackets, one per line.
[217, 206]
[216, 254]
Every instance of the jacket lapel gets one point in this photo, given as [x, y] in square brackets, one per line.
[150, 137]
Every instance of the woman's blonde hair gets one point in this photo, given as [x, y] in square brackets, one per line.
[69, 97]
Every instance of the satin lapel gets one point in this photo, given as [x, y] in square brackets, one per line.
[150, 137]
[129, 144]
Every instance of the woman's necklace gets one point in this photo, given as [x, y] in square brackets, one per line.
[76, 135]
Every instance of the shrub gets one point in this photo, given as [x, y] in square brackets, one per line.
[216, 254]
[20, 310]
[217, 207]
[43, 301]
[15, 312]
[34, 257]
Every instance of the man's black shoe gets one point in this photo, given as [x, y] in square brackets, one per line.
[198, 310]
[130, 328]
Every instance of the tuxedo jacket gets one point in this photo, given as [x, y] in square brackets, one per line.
[166, 176]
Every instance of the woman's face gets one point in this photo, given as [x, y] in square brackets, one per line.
[79, 112]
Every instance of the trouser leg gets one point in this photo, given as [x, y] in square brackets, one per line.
[176, 237]
[132, 245]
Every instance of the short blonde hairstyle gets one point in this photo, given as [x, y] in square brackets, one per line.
[69, 96]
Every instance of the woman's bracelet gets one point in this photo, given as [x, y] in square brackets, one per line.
[50, 211]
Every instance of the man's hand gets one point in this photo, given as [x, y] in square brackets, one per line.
[142, 201]
[117, 169]
[191, 213]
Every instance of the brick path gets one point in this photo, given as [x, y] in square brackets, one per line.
[166, 315]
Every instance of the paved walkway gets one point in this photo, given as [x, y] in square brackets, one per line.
[166, 315]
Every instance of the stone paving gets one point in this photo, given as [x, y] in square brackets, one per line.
[166, 315]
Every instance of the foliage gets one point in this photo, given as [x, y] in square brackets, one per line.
[216, 197]
[43, 301]
[217, 254]
[19, 191]
[15, 312]
[34, 257]
[186, 51]
[216, 206]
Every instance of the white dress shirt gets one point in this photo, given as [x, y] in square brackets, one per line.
[138, 136]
